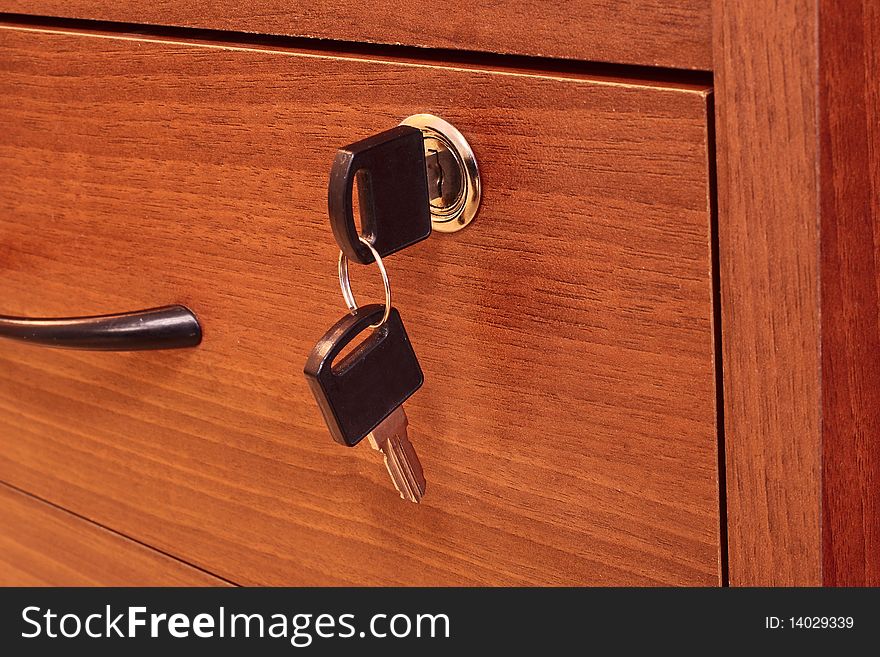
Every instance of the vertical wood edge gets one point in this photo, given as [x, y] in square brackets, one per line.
[849, 138]
[718, 352]
[765, 85]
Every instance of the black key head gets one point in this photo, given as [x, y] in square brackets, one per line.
[356, 394]
[392, 193]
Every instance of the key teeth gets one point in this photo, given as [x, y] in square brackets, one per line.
[401, 465]
[400, 457]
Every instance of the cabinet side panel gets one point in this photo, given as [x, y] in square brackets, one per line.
[765, 56]
[850, 161]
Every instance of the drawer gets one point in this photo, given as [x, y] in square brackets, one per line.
[567, 424]
[41, 545]
[646, 32]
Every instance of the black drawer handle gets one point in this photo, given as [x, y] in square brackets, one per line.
[168, 327]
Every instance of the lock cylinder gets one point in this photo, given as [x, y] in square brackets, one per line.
[453, 176]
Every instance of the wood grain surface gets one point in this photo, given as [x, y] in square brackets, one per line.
[849, 122]
[647, 32]
[42, 545]
[567, 424]
[768, 240]
[798, 182]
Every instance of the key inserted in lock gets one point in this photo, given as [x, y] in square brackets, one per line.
[453, 177]
[419, 176]
[392, 192]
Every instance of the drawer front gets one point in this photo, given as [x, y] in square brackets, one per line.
[41, 545]
[647, 32]
[567, 423]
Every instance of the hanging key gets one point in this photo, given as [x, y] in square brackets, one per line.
[362, 394]
[395, 210]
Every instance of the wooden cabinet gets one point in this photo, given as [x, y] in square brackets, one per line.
[612, 350]
[566, 335]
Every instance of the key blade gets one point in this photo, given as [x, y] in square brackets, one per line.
[405, 469]
[401, 460]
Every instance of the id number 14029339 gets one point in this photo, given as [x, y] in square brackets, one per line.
[809, 622]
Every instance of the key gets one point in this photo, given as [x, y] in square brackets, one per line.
[362, 395]
[391, 438]
[395, 210]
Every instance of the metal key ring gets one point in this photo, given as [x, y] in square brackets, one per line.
[345, 282]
